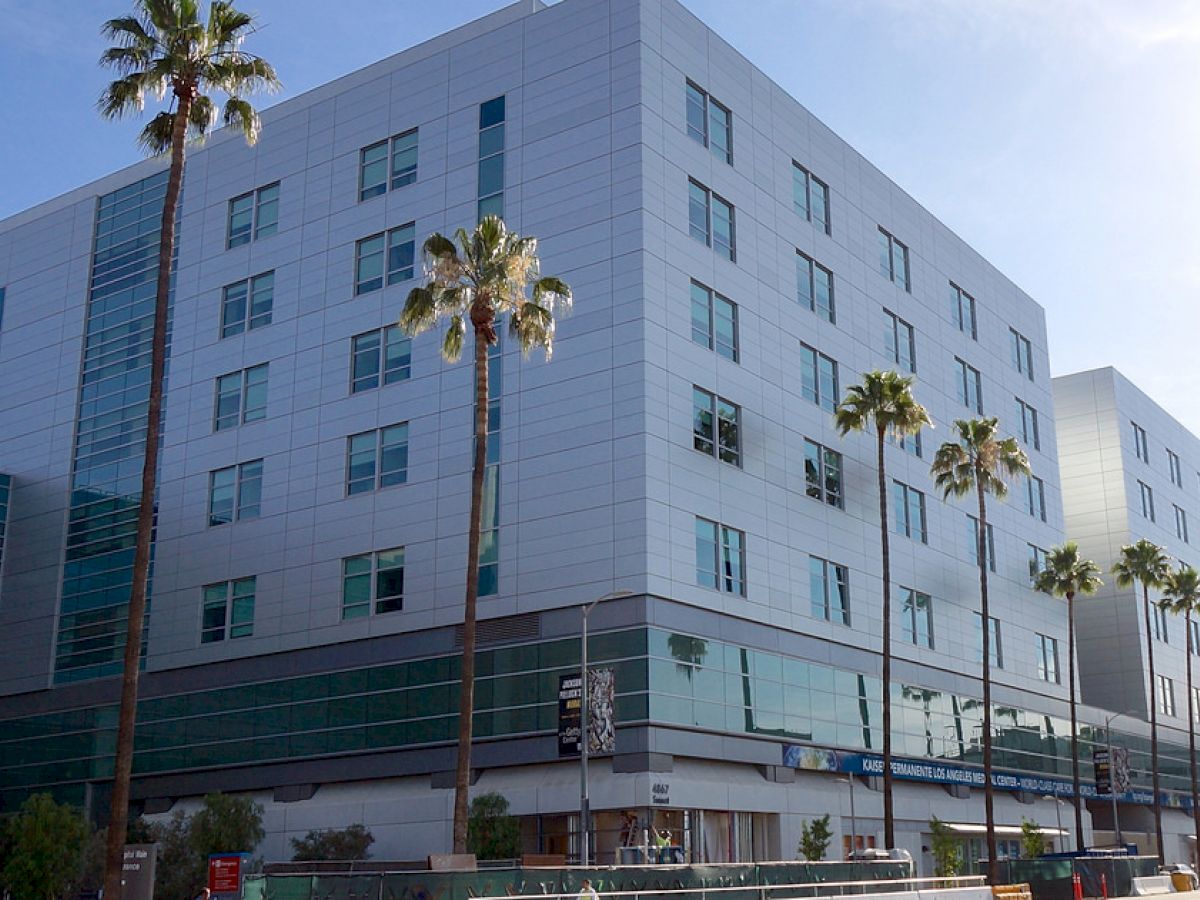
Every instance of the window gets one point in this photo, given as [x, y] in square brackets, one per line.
[995, 648]
[818, 378]
[1195, 705]
[720, 557]
[386, 257]
[1140, 445]
[916, 617]
[814, 286]
[893, 260]
[909, 512]
[1174, 469]
[1035, 497]
[1181, 529]
[909, 443]
[1166, 695]
[228, 610]
[1158, 616]
[1027, 419]
[973, 542]
[1, 307]
[823, 474]
[491, 158]
[829, 590]
[1022, 353]
[380, 356]
[246, 305]
[810, 197]
[1147, 494]
[252, 216]
[235, 493]
[962, 311]
[1195, 636]
[241, 398]
[714, 321]
[710, 220]
[373, 580]
[1046, 650]
[1037, 560]
[709, 123]
[899, 342]
[376, 459]
[375, 176]
[723, 441]
[969, 386]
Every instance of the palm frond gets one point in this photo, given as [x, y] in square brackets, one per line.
[533, 327]
[123, 97]
[554, 293]
[452, 343]
[202, 116]
[240, 114]
[156, 137]
[228, 26]
[1143, 561]
[420, 311]
[882, 400]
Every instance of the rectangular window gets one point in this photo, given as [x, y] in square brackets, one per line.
[899, 342]
[962, 311]
[710, 220]
[916, 616]
[385, 258]
[720, 557]
[382, 356]
[1195, 636]
[995, 648]
[823, 474]
[1147, 494]
[714, 321]
[969, 385]
[909, 443]
[373, 581]
[973, 542]
[253, 215]
[893, 260]
[491, 158]
[715, 426]
[1140, 446]
[1035, 497]
[1181, 529]
[1022, 353]
[375, 176]
[1047, 658]
[1174, 468]
[228, 610]
[818, 378]
[810, 197]
[908, 511]
[1196, 705]
[376, 459]
[1, 307]
[1027, 424]
[246, 305]
[814, 286]
[829, 591]
[235, 493]
[1158, 616]
[1037, 560]
[241, 397]
[709, 123]
[1166, 696]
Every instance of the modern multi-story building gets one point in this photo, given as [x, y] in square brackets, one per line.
[1131, 471]
[736, 266]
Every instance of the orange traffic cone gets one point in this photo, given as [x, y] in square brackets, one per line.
[1103, 886]
[1077, 883]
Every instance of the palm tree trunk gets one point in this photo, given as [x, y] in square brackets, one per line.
[1153, 727]
[989, 798]
[123, 764]
[1192, 737]
[889, 820]
[1078, 799]
[466, 694]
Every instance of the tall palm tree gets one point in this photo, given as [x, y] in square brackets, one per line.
[491, 273]
[981, 461]
[883, 404]
[1066, 575]
[1181, 594]
[166, 50]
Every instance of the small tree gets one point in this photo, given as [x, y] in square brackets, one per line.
[946, 850]
[1033, 842]
[45, 843]
[491, 832]
[345, 843]
[814, 838]
[227, 824]
[180, 872]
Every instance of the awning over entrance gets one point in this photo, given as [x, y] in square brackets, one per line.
[972, 828]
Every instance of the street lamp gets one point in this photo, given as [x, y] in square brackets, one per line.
[584, 800]
[1057, 815]
[849, 779]
[1112, 776]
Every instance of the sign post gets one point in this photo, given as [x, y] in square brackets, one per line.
[137, 871]
[225, 874]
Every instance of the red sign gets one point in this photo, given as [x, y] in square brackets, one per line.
[225, 874]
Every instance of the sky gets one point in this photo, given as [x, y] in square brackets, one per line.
[1059, 138]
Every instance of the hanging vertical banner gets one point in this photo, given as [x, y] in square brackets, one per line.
[602, 732]
[568, 714]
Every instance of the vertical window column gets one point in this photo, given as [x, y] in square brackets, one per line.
[489, 542]
[491, 158]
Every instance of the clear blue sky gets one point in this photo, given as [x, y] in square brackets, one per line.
[1061, 139]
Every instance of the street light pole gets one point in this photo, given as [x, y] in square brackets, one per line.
[1112, 776]
[849, 779]
[585, 812]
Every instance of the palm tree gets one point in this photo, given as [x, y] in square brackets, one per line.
[1066, 575]
[482, 279]
[884, 404]
[166, 50]
[980, 461]
[1148, 563]
[1181, 594]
